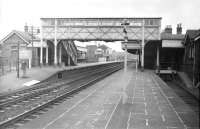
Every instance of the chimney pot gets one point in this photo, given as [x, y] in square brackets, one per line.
[25, 28]
[179, 29]
[168, 29]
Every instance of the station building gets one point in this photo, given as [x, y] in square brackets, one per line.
[191, 58]
[90, 55]
[33, 51]
[22, 43]
[81, 51]
[171, 50]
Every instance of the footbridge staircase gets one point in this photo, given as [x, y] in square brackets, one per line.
[70, 48]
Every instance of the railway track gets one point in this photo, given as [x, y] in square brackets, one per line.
[45, 87]
[186, 96]
[48, 82]
[23, 104]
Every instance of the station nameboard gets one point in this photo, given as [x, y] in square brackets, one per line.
[172, 44]
[25, 54]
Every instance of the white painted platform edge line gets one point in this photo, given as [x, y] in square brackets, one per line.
[70, 109]
[145, 108]
[113, 112]
[129, 117]
[146, 122]
[163, 118]
[134, 89]
[30, 83]
[169, 102]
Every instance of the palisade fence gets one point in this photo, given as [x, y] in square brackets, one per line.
[7, 66]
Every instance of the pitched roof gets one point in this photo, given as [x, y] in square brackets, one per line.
[197, 37]
[192, 33]
[167, 36]
[23, 35]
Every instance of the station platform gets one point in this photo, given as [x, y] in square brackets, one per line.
[10, 83]
[127, 99]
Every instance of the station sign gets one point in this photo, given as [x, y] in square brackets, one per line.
[172, 44]
[25, 54]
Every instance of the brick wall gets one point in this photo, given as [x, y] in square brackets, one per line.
[9, 49]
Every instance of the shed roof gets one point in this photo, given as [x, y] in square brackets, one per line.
[192, 33]
[197, 36]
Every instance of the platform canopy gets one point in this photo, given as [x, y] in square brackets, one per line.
[101, 29]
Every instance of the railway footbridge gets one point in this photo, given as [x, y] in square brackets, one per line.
[134, 35]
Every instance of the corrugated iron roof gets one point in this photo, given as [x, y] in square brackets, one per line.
[192, 33]
[197, 36]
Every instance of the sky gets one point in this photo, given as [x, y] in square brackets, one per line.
[15, 13]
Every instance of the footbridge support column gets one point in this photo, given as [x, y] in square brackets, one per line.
[143, 44]
[47, 56]
[55, 52]
[60, 54]
[158, 59]
[55, 43]
[41, 54]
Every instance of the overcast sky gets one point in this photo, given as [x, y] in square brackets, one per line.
[15, 13]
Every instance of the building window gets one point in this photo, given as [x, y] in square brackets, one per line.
[191, 52]
[13, 48]
[48, 22]
[151, 22]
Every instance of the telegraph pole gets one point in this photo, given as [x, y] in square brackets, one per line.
[18, 46]
[32, 45]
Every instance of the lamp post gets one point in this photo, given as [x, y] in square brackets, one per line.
[143, 45]
[125, 24]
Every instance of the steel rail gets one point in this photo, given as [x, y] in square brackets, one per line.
[73, 90]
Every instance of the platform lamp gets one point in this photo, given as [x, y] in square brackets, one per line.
[125, 24]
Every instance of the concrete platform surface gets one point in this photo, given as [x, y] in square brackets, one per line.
[9, 82]
[124, 100]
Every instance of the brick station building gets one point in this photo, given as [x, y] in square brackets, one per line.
[28, 49]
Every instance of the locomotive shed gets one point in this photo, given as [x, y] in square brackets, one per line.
[123, 100]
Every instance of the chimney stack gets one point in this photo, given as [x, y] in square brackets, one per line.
[26, 28]
[179, 29]
[168, 29]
